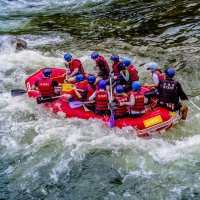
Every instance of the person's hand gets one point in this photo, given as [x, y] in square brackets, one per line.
[121, 103]
[74, 87]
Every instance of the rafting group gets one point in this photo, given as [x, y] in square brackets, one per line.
[117, 90]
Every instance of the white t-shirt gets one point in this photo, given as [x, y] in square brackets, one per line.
[155, 78]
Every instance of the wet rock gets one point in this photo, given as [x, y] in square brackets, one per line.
[21, 44]
[93, 177]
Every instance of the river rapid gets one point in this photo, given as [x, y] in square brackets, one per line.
[44, 156]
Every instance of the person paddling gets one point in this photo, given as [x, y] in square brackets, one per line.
[87, 93]
[75, 67]
[80, 85]
[117, 67]
[120, 97]
[130, 75]
[137, 101]
[101, 98]
[169, 93]
[101, 65]
[156, 74]
[46, 85]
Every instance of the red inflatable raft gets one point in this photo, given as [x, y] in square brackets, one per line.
[155, 120]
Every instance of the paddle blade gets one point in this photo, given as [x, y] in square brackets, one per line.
[66, 87]
[112, 121]
[76, 104]
[18, 92]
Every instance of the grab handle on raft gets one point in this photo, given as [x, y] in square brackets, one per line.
[194, 104]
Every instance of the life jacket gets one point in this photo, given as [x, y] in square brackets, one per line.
[159, 73]
[115, 69]
[102, 100]
[121, 110]
[168, 92]
[133, 74]
[91, 90]
[75, 63]
[139, 101]
[45, 86]
[101, 58]
[81, 86]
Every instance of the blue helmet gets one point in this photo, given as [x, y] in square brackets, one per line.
[91, 79]
[152, 66]
[136, 85]
[94, 55]
[119, 89]
[170, 73]
[47, 72]
[79, 77]
[67, 56]
[102, 84]
[126, 61]
[114, 58]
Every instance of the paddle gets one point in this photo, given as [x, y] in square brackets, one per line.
[43, 100]
[194, 104]
[18, 92]
[77, 104]
[112, 118]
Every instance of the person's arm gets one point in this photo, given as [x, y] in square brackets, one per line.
[92, 97]
[84, 93]
[146, 100]
[181, 93]
[131, 102]
[34, 86]
[73, 73]
[155, 79]
[55, 83]
[120, 67]
[77, 93]
[126, 76]
[103, 68]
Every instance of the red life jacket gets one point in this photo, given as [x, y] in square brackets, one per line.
[102, 100]
[82, 86]
[89, 94]
[139, 101]
[133, 75]
[45, 86]
[101, 58]
[121, 110]
[75, 63]
[115, 65]
[159, 73]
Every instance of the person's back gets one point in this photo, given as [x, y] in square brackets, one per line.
[120, 97]
[169, 93]
[101, 97]
[46, 85]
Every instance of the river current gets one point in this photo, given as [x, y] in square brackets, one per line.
[43, 155]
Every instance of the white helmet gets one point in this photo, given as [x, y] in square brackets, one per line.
[152, 66]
